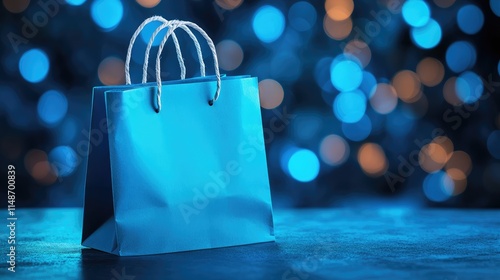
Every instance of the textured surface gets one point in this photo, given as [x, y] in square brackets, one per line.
[311, 244]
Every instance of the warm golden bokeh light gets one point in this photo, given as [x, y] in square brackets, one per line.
[16, 6]
[337, 30]
[229, 54]
[430, 71]
[271, 94]
[38, 166]
[112, 71]
[456, 174]
[229, 4]
[459, 180]
[339, 9]
[460, 160]
[446, 144]
[148, 3]
[334, 150]
[450, 93]
[444, 3]
[42, 172]
[372, 159]
[33, 157]
[407, 85]
[432, 157]
[360, 50]
[384, 98]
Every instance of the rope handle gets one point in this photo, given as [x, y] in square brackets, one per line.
[165, 23]
[170, 24]
[175, 25]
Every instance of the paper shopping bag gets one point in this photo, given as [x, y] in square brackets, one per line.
[190, 176]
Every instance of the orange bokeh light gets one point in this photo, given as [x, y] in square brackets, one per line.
[372, 159]
[407, 85]
[339, 9]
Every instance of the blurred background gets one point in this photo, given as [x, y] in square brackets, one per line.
[364, 103]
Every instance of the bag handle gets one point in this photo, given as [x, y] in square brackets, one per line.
[177, 49]
[175, 25]
[169, 24]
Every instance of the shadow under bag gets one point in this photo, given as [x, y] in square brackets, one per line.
[174, 167]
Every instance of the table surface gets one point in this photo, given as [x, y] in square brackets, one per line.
[310, 244]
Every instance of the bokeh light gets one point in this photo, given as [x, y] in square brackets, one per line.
[151, 3]
[229, 54]
[339, 9]
[337, 30]
[38, 166]
[460, 56]
[34, 65]
[432, 157]
[446, 144]
[459, 180]
[430, 71]
[64, 160]
[32, 157]
[470, 19]
[334, 150]
[68, 129]
[111, 71]
[359, 130]
[450, 92]
[349, 106]
[469, 87]
[384, 98]
[399, 122]
[416, 12]
[305, 126]
[229, 4]
[286, 66]
[461, 161]
[493, 144]
[271, 94]
[302, 16]
[438, 187]
[52, 107]
[495, 7]
[16, 6]
[322, 74]
[346, 74]
[268, 23]
[149, 29]
[360, 50]
[368, 83]
[303, 165]
[444, 3]
[427, 36]
[75, 2]
[372, 160]
[107, 14]
[407, 85]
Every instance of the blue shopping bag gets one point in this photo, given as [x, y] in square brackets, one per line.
[179, 165]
